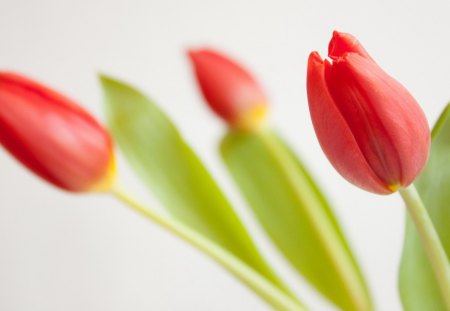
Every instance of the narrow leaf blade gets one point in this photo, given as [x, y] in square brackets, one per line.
[295, 214]
[418, 286]
[175, 175]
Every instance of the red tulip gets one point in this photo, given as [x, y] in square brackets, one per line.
[369, 126]
[231, 91]
[53, 136]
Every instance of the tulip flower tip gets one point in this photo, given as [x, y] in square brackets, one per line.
[315, 57]
[336, 35]
[342, 43]
[196, 55]
[336, 47]
[191, 53]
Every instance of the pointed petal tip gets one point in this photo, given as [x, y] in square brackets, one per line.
[196, 54]
[335, 37]
[192, 53]
[315, 58]
[342, 43]
[315, 65]
[339, 44]
[201, 58]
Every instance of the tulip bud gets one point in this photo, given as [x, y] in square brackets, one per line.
[230, 91]
[369, 126]
[53, 136]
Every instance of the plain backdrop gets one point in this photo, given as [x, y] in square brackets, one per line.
[60, 251]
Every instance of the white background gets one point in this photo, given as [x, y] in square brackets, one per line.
[60, 251]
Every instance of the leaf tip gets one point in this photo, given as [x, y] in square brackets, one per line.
[106, 80]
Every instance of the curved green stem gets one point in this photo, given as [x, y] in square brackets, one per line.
[261, 286]
[430, 240]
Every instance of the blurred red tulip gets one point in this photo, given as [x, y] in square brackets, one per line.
[369, 126]
[230, 90]
[53, 136]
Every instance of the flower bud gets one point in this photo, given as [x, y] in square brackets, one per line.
[231, 91]
[369, 126]
[53, 136]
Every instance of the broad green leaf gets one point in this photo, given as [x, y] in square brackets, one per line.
[418, 287]
[174, 174]
[295, 215]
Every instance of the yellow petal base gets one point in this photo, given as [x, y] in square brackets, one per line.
[251, 119]
[108, 180]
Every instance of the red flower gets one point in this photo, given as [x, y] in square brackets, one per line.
[53, 136]
[369, 126]
[230, 91]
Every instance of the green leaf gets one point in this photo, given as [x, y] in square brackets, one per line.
[175, 175]
[295, 215]
[418, 286]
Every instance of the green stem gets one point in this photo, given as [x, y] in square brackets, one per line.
[332, 245]
[261, 286]
[430, 240]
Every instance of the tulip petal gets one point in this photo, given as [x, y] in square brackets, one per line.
[334, 134]
[53, 136]
[386, 121]
[342, 43]
[230, 90]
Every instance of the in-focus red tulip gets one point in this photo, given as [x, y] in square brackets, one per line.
[369, 126]
[231, 91]
[53, 136]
